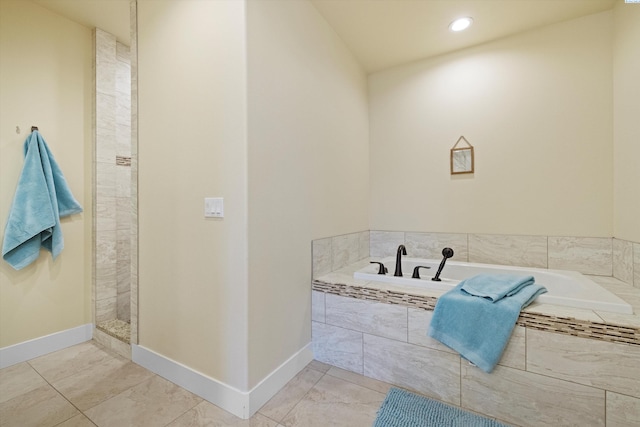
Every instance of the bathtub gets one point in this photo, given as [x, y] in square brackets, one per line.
[565, 288]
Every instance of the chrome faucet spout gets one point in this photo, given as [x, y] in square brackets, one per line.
[401, 251]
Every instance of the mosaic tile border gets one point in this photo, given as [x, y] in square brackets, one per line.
[378, 295]
[542, 322]
[123, 161]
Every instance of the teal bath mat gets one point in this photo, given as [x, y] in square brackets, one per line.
[403, 409]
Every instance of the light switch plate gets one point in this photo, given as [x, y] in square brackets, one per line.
[214, 207]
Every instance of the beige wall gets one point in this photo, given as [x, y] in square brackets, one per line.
[626, 111]
[536, 106]
[307, 149]
[45, 80]
[269, 111]
[192, 145]
[308, 167]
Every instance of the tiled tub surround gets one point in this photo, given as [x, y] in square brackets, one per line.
[562, 366]
[588, 255]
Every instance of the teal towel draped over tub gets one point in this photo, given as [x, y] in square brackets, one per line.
[42, 197]
[477, 327]
[496, 286]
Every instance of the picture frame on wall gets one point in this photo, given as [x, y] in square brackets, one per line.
[462, 158]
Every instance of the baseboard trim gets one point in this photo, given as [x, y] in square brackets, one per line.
[242, 404]
[272, 383]
[36, 347]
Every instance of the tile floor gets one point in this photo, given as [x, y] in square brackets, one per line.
[88, 385]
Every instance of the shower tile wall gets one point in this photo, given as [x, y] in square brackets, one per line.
[133, 49]
[105, 174]
[123, 181]
[113, 179]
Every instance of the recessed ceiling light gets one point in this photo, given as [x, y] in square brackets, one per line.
[461, 24]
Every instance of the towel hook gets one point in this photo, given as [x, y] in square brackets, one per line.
[34, 128]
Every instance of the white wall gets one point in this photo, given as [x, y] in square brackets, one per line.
[192, 145]
[536, 106]
[626, 111]
[308, 166]
[46, 80]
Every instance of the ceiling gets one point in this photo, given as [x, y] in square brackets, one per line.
[384, 33]
[111, 16]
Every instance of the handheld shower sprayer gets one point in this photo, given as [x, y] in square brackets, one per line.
[446, 253]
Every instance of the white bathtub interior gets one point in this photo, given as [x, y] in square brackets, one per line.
[565, 288]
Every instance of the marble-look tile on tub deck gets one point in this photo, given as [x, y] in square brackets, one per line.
[625, 291]
[628, 293]
[385, 320]
[321, 255]
[337, 346]
[345, 250]
[430, 372]
[622, 411]
[522, 251]
[528, 399]
[595, 363]
[430, 245]
[385, 243]
[588, 255]
[623, 260]
[317, 306]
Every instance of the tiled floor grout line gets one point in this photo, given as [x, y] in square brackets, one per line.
[269, 418]
[63, 396]
[114, 355]
[299, 402]
[301, 398]
[190, 409]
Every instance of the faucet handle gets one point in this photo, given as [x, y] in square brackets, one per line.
[416, 271]
[382, 269]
